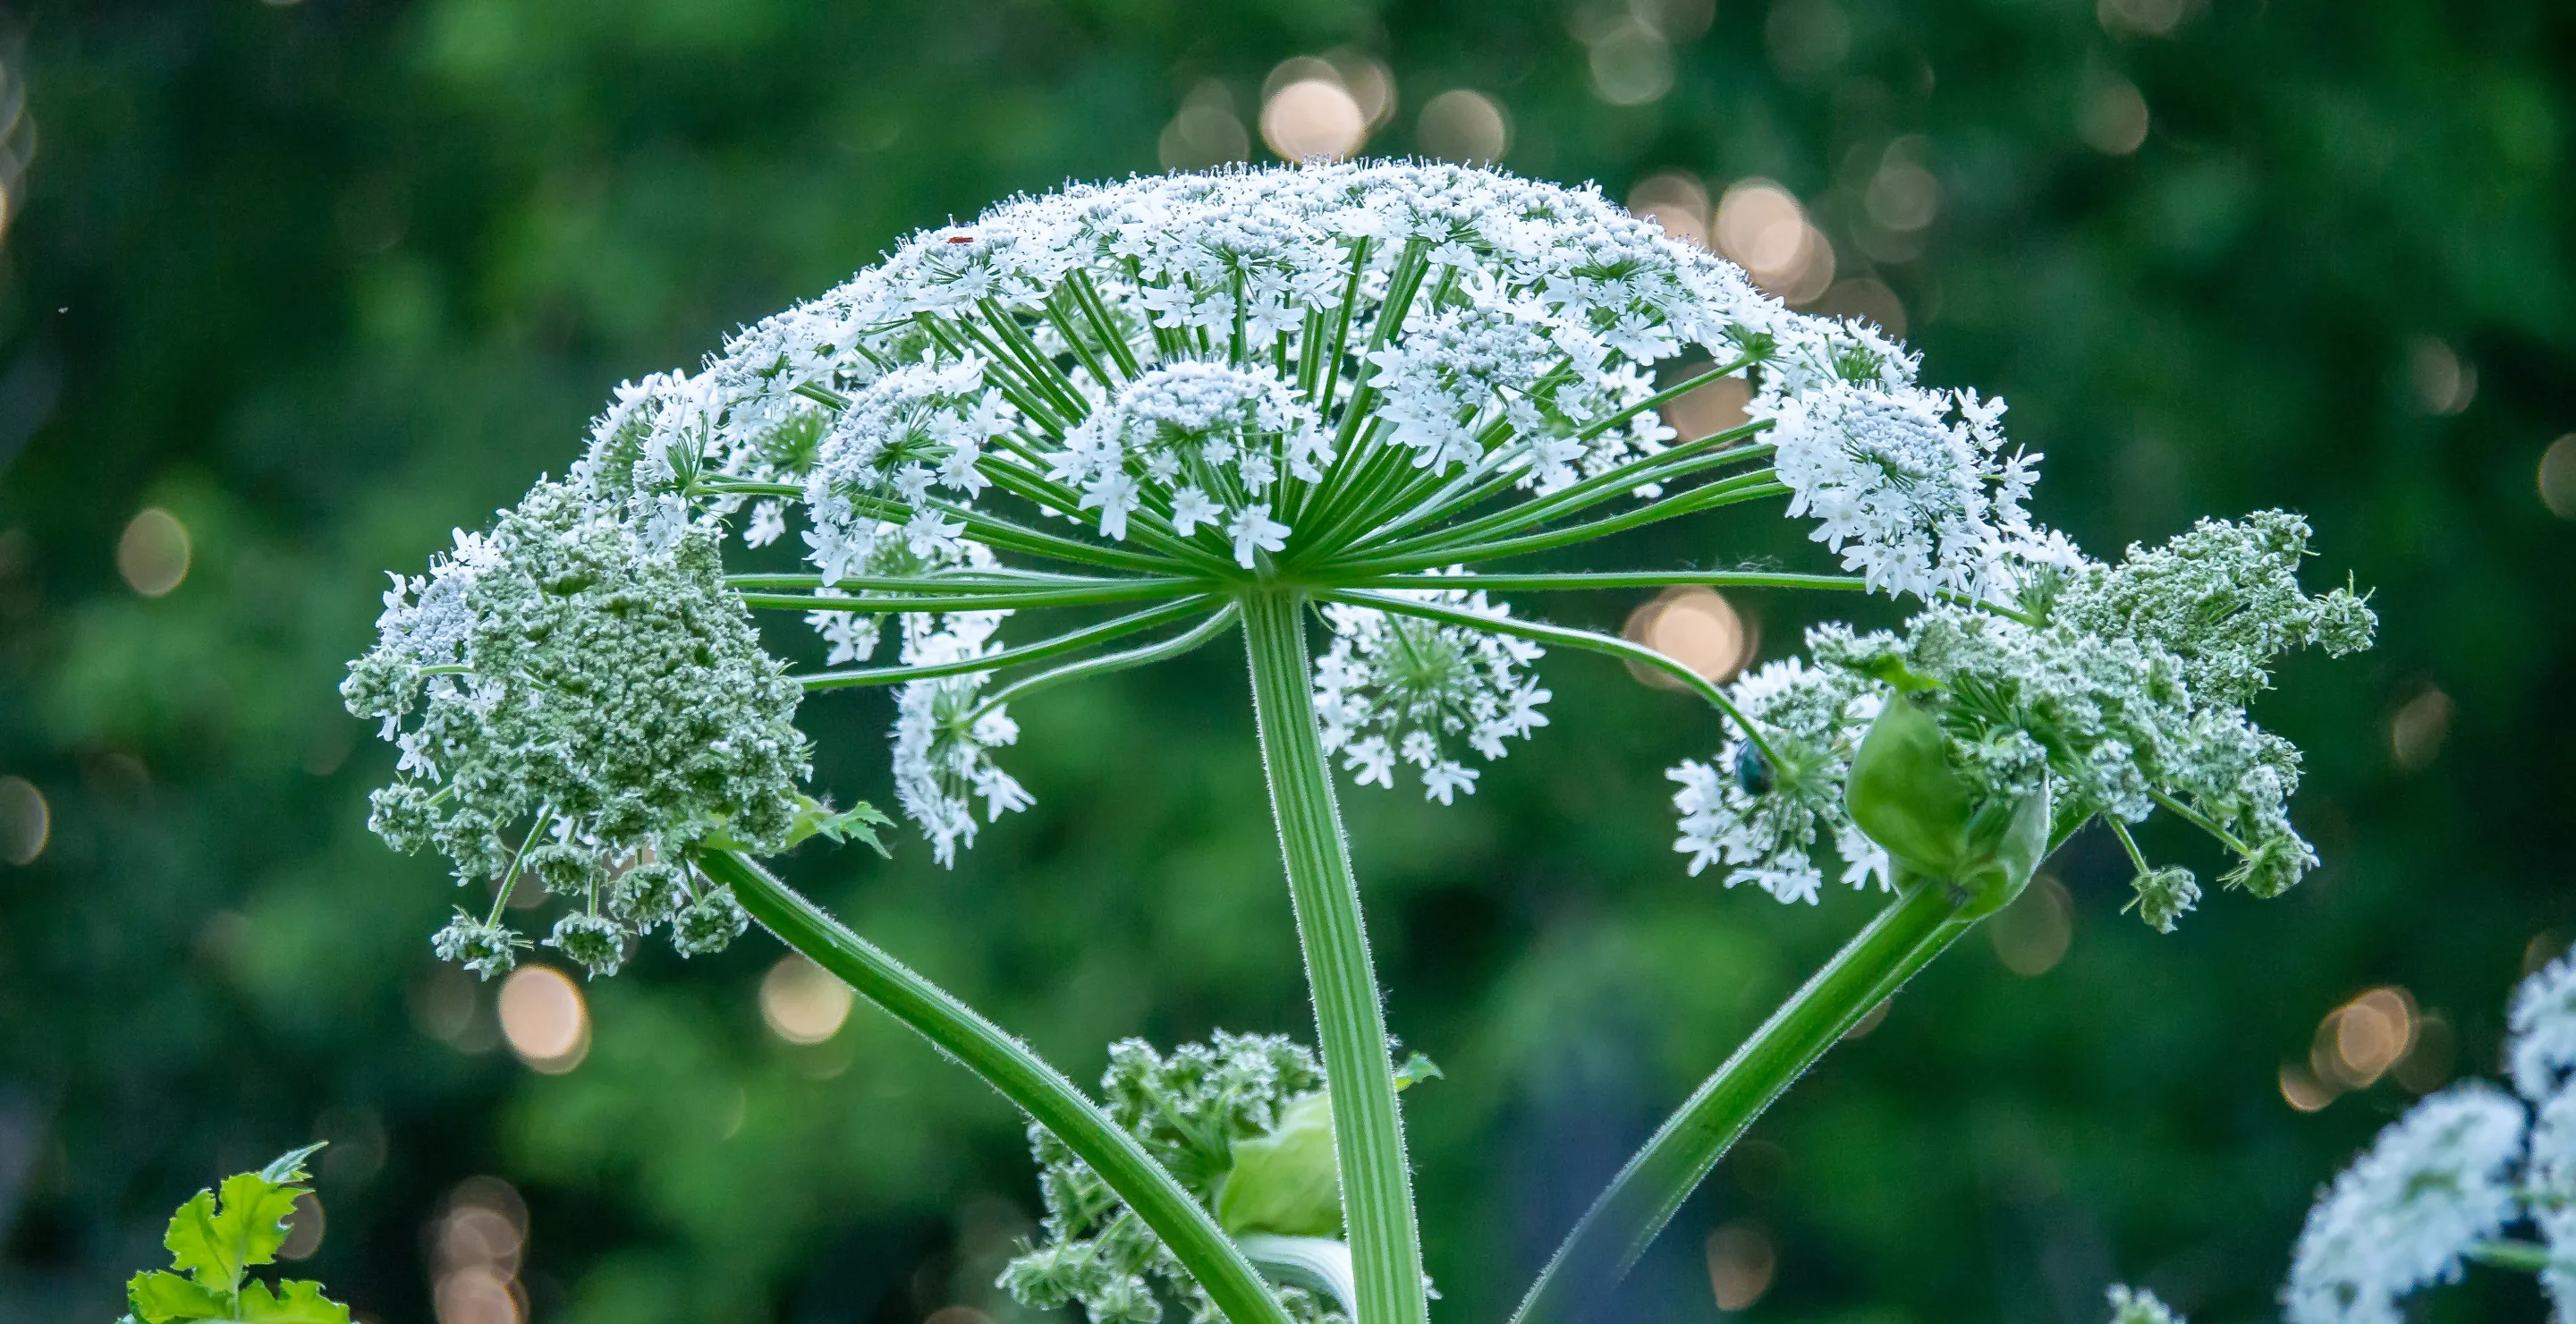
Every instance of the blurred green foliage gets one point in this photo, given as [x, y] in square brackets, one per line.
[326, 279]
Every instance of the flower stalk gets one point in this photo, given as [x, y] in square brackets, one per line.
[1368, 1133]
[1020, 1075]
[1924, 919]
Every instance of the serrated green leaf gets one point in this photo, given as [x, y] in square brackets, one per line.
[254, 1215]
[288, 1168]
[159, 1297]
[1416, 1069]
[294, 1303]
[215, 1242]
[198, 1249]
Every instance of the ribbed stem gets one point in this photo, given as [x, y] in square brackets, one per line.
[1007, 1065]
[1645, 1194]
[1368, 1134]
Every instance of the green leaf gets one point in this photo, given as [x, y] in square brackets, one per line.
[287, 1169]
[1416, 1069]
[159, 1297]
[859, 822]
[295, 1303]
[215, 1243]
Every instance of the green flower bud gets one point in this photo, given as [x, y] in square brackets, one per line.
[595, 942]
[564, 869]
[2165, 895]
[1933, 819]
[648, 894]
[708, 924]
[485, 949]
[1287, 1180]
[401, 814]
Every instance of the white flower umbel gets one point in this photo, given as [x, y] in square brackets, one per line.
[1397, 689]
[2089, 687]
[575, 684]
[2434, 1184]
[1911, 487]
[1766, 818]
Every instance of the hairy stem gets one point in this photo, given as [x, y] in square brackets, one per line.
[1368, 1134]
[1022, 1077]
[1642, 1198]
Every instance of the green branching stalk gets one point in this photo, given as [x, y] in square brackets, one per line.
[1438, 550]
[1191, 640]
[1020, 1075]
[1643, 1197]
[1368, 1133]
[1039, 596]
[1570, 638]
[1069, 642]
[1575, 581]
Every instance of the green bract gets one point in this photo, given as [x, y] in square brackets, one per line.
[1285, 1180]
[1933, 819]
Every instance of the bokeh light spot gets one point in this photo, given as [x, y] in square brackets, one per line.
[1675, 201]
[304, 1227]
[2031, 935]
[477, 1247]
[1313, 118]
[1205, 133]
[26, 821]
[802, 1003]
[1464, 125]
[153, 552]
[2112, 116]
[2416, 733]
[2357, 1043]
[2444, 384]
[1762, 227]
[1631, 64]
[1741, 1262]
[2558, 477]
[2301, 1090]
[545, 1019]
[1694, 626]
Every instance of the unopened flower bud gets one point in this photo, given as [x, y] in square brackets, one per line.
[1933, 819]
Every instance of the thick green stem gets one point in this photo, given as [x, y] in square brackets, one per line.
[1022, 1077]
[1643, 1197]
[1368, 1135]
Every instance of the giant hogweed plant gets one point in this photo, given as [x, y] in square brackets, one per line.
[1337, 403]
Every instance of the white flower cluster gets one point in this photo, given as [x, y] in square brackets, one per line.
[1916, 500]
[945, 734]
[1765, 821]
[1400, 688]
[1216, 439]
[587, 703]
[2094, 695]
[2456, 1171]
[1188, 364]
[1188, 1109]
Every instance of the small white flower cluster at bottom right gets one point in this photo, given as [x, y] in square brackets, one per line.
[2453, 1173]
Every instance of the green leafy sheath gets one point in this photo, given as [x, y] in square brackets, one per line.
[214, 1240]
[1377, 1186]
[1020, 1075]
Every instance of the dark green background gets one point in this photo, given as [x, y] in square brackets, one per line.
[326, 280]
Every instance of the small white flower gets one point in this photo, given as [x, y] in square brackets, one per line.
[1192, 508]
[1395, 686]
[1253, 530]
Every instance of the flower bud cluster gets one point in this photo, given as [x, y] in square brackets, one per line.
[1188, 1109]
[2457, 1170]
[573, 702]
[2094, 699]
[1397, 687]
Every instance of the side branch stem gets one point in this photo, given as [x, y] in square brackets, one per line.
[1020, 1075]
[1643, 1197]
[1368, 1132]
